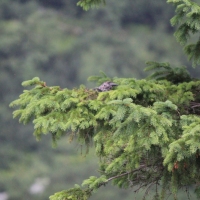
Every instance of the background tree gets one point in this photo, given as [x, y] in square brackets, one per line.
[145, 131]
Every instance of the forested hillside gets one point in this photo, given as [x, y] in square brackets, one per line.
[64, 45]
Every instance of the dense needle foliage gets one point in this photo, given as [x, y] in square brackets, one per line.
[146, 132]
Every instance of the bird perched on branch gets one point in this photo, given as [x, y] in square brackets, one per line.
[106, 86]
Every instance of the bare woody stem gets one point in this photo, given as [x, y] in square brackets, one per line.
[124, 174]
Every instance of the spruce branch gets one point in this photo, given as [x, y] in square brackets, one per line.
[187, 17]
[140, 129]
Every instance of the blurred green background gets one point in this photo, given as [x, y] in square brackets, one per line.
[64, 45]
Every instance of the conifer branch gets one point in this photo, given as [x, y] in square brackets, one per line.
[187, 17]
[152, 124]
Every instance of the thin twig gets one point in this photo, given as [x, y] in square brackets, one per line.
[124, 174]
[198, 105]
[148, 188]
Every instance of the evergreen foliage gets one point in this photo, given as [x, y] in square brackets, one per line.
[141, 129]
[187, 17]
[165, 72]
[146, 132]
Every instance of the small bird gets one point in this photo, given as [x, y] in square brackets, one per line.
[106, 86]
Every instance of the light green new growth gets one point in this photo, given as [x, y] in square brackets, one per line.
[140, 129]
